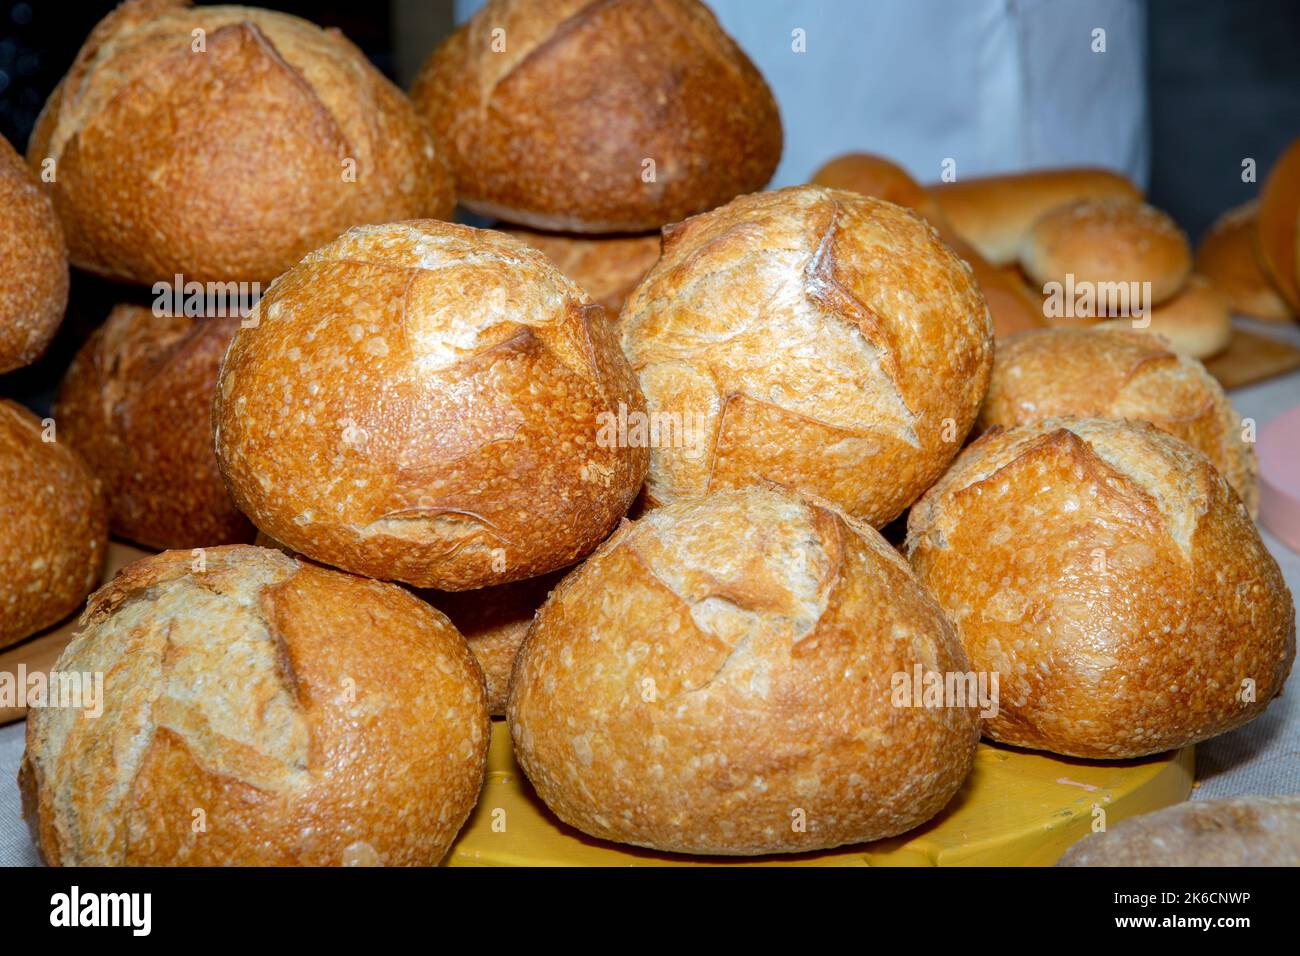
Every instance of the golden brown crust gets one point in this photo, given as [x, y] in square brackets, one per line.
[1227, 257]
[423, 402]
[595, 88]
[33, 265]
[1117, 373]
[1237, 831]
[313, 717]
[1278, 235]
[53, 526]
[205, 185]
[1113, 579]
[995, 213]
[718, 678]
[1105, 241]
[1195, 322]
[607, 268]
[137, 404]
[814, 338]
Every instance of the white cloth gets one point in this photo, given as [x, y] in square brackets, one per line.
[994, 85]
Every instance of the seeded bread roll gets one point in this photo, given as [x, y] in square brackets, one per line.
[739, 699]
[53, 525]
[995, 213]
[1227, 257]
[1116, 373]
[33, 265]
[426, 402]
[635, 113]
[607, 268]
[1278, 235]
[260, 711]
[230, 153]
[1238, 831]
[811, 337]
[1196, 322]
[1108, 241]
[1112, 578]
[137, 404]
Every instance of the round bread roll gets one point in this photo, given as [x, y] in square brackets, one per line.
[1278, 237]
[1196, 322]
[635, 114]
[1237, 831]
[1113, 579]
[137, 404]
[1117, 373]
[33, 265]
[1108, 241]
[811, 337]
[53, 525]
[429, 403]
[720, 678]
[995, 213]
[1227, 257]
[607, 268]
[229, 153]
[314, 717]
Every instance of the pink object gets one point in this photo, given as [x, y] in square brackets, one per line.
[1279, 477]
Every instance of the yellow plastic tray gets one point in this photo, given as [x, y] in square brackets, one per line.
[1017, 808]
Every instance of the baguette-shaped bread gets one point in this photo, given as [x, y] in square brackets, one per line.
[1116, 373]
[1227, 257]
[223, 143]
[259, 710]
[607, 268]
[811, 337]
[427, 402]
[53, 526]
[1113, 579]
[137, 404]
[598, 117]
[720, 678]
[33, 264]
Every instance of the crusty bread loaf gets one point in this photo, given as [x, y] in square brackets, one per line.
[426, 402]
[607, 268]
[720, 677]
[1228, 258]
[995, 213]
[811, 337]
[598, 117]
[1117, 373]
[1196, 322]
[53, 526]
[1278, 236]
[229, 161]
[33, 265]
[1113, 579]
[260, 710]
[1237, 831]
[137, 404]
[1112, 240]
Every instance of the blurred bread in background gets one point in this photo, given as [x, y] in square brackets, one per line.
[607, 268]
[1228, 257]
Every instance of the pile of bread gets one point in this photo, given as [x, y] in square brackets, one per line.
[647, 532]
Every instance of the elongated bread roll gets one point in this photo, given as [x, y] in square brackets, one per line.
[1278, 234]
[1227, 257]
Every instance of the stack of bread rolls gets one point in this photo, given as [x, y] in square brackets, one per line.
[649, 540]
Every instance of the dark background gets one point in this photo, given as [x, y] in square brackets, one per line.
[1223, 85]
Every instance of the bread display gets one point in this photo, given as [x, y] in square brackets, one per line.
[717, 679]
[1278, 236]
[1227, 257]
[634, 114]
[53, 526]
[166, 164]
[33, 265]
[1107, 241]
[1116, 373]
[429, 403]
[995, 213]
[265, 711]
[1238, 831]
[1196, 322]
[137, 404]
[1113, 579]
[814, 338]
[607, 268]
